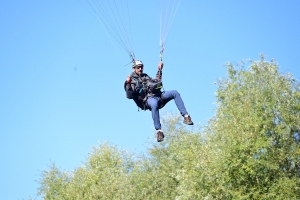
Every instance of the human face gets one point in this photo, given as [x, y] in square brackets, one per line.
[138, 69]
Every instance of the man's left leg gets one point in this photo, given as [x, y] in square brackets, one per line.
[173, 94]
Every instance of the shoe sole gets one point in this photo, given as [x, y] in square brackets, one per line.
[189, 123]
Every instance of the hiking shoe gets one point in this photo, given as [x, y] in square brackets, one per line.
[160, 136]
[187, 120]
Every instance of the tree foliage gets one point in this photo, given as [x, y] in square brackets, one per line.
[248, 150]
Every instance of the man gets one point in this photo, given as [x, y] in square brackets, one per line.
[146, 93]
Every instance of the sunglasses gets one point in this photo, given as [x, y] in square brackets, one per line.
[140, 66]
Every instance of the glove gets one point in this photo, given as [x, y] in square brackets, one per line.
[160, 65]
[128, 79]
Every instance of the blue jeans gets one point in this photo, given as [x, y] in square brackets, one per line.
[154, 104]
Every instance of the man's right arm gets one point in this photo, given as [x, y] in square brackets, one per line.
[129, 88]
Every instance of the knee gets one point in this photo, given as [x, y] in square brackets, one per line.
[175, 92]
[153, 104]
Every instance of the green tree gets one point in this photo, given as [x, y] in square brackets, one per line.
[248, 150]
[256, 131]
[105, 175]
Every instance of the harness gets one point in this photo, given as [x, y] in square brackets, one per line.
[147, 88]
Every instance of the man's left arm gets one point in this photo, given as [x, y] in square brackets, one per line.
[159, 72]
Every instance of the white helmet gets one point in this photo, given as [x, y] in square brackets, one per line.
[138, 63]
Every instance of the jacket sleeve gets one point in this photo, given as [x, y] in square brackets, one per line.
[129, 89]
[159, 75]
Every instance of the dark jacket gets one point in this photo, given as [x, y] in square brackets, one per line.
[137, 89]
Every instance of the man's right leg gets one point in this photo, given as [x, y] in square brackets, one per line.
[154, 108]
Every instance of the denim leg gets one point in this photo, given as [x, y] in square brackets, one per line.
[173, 94]
[154, 107]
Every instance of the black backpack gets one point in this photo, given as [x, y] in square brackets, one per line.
[149, 86]
[154, 86]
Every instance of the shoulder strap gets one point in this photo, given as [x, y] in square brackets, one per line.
[138, 84]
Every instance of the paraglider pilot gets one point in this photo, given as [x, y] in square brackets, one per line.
[146, 93]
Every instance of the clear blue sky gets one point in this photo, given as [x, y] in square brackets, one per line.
[61, 80]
